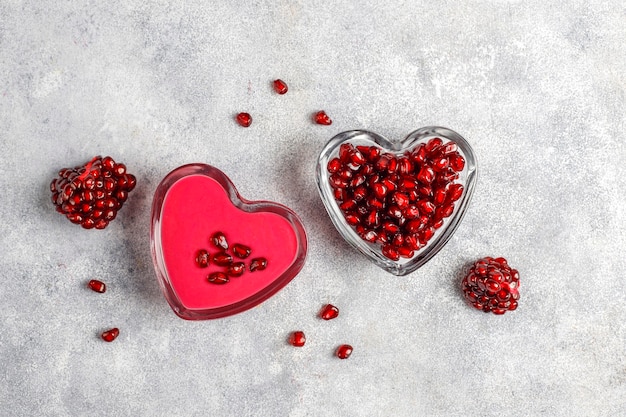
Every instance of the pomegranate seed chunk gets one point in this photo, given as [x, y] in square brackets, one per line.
[280, 86]
[491, 285]
[82, 192]
[97, 286]
[110, 335]
[329, 312]
[244, 119]
[297, 339]
[344, 351]
[321, 118]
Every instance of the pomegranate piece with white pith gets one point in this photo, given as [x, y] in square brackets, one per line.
[397, 200]
[92, 194]
[491, 285]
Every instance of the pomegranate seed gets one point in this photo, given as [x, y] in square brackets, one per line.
[241, 251]
[426, 175]
[218, 278]
[344, 351]
[244, 119]
[406, 252]
[491, 285]
[110, 335]
[97, 286]
[297, 339]
[280, 86]
[433, 144]
[390, 252]
[219, 240]
[90, 186]
[321, 118]
[222, 259]
[258, 264]
[457, 162]
[455, 191]
[334, 165]
[236, 269]
[329, 312]
[202, 258]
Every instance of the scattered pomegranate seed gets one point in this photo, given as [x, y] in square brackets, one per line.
[218, 278]
[241, 251]
[92, 194]
[344, 351]
[491, 285]
[329, 312]
[110, 335]
[280, 87]
[97, 286]
[258, 264]
[297, 339]
[219, 240]
[244, 119]
[397, 201]
[202, 258]
[321, 118]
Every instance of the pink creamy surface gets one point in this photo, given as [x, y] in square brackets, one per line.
[194, 208]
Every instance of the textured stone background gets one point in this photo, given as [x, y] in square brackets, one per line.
[537, 87]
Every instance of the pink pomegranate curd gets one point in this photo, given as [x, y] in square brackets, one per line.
[194, 208]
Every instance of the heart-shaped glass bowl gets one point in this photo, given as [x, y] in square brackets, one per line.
[373, 251]
[191, 204]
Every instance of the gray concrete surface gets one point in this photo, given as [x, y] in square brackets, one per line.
[537, 87]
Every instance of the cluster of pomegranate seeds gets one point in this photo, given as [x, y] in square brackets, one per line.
[244, 119]
[491, 285]
[329, 312]
[321, 118]
[231, 265]
[397, 201]
[297, 339]
[97, 286]
[110, 335]
[280, 87]
[344, 351]
[92, 194]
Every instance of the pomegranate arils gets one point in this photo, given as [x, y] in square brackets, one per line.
[236, 269]
[218, 278]
[222, 259]
[344, 351]
[321, 118]
[244, 119]
[397, 201]
[491, 285]
[202, 258]
[241, 251]
[82, 192]
[329, 312]
[97, 286]
[258, 264]
[280, 86]
[219, 240]
[297, 339]
[110, 335]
